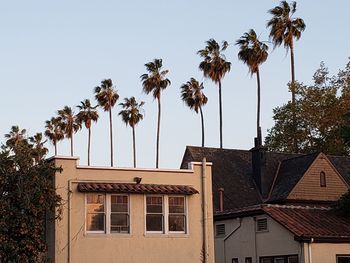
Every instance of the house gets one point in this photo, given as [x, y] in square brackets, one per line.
[132, 215]
[276, 208]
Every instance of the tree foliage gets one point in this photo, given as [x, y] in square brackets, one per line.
[342, 206]
[27, 195]
[322, 116]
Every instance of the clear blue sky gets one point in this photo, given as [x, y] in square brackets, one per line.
[53, 53]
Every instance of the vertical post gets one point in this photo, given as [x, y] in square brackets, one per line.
[204, 211]
[221, 193]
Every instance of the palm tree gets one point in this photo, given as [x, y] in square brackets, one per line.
[132, 115]
[253, 53]
[215, 66]
[87, 115]
[69, 124]
[54, 131]
[107, 97]
[192, 94]
[15, 136]
[38, 146]
[283, 29]
[155, 82]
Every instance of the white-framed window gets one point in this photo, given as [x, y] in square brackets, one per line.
[166, 214]
[107, 213]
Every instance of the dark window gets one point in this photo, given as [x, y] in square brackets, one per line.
[220, 230]
[261, 224]
[119, 214]
[343, 259]
[154, 213]
[248, 260]
[235, 260]
[280, 259]
[323, 179]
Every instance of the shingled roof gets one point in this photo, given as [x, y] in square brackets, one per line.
[232, 170]
[289, 173]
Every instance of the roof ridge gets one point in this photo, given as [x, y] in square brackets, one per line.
[298, 206]
[302, 156]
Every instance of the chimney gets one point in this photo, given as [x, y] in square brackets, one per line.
[221, 200]
[259, 163]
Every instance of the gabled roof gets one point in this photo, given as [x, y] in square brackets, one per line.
[289, 173]
[231, 170]
[136, 188]
[304, 222]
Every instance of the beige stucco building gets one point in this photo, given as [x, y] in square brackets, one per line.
[132, 215]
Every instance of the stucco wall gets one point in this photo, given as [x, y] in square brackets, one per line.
[308, 188]
[136, 246]
[325, 252]
[246, 242]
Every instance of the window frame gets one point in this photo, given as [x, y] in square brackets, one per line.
[107, 214]
[323, 179]
[165, 214]
[341, 256]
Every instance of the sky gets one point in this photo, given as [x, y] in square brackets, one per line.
[53, 53]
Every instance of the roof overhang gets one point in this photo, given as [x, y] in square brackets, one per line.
[136, 188]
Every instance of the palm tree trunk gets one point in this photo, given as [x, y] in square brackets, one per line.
[295, 145]
[158, 132]
[202, 120]
[89, 138]
[71, 145]
[220, 113]
[258, 134]
[134, 145]
[111, 135]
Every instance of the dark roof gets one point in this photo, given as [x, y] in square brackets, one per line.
[136, 188]
[289, 173]
[231, 170]
[305, 223]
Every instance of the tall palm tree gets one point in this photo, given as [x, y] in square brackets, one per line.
[54, 131]
[38, 146]
[15, 136]
[132, 115]
[283, 29]
[69, 124]
[192, 94]
[155, 81]
[107, 97]
[215, 66]
[87, 115]
[253, 53]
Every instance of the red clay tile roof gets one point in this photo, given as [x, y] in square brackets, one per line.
[305, 222]
[136, 188]
[310, 222]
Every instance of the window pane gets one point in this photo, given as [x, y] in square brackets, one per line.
[177, 205]
[343, 259]
[177, 223]
[95, 222]
[154, 222]
[266, 260]
[279, 260]
[95, 203]
[293, 259]
[120, 223]
[119, 203]
[154, 204]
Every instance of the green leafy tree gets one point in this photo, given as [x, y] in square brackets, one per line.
[53, 131]
[155, 82]
[320, 110]
[27, 195]
[132, 115]
[192, 94]
[253, 53]
[215, 67]
[342, 206]
[87, 114]
[107, 97]
[284, 28]
[69, 124]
